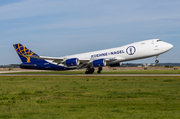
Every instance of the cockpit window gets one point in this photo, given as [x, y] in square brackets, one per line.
[158, 40]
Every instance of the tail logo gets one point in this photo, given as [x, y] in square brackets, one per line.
[23, 51]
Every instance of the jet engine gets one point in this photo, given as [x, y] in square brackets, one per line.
[99, 63]
[72, 62]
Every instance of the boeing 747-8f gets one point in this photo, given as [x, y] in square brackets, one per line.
[90, 60]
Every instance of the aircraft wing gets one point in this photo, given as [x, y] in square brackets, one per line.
[83, 62]
[109, 60]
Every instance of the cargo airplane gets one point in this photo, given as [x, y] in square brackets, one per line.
[90, 60]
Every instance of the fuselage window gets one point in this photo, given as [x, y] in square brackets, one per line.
[158, 40]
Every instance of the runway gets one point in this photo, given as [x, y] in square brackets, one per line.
[10, 73]
[96, 75]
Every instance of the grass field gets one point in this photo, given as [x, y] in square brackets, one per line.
[90, 97]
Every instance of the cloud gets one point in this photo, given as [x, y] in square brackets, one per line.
[87, 22]
[108, 10]
[36, 15]
[28, 8]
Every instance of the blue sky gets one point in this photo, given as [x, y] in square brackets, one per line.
[65, 27]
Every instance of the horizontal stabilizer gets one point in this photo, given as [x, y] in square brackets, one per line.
[24, 65]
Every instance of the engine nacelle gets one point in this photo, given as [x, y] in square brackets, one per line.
[72, 62]
[99, 63]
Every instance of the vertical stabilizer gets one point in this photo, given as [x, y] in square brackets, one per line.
[23, 52]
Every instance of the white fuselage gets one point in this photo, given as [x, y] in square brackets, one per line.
[137, 50]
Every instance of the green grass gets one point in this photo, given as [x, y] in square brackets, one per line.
[107, 72]
[90, 97]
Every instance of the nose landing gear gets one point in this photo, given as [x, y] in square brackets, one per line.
[157, 61]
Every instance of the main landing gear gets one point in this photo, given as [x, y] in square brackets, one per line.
[157, 61]
[99, 70]
[90, 70]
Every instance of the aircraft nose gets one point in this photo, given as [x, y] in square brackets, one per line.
[169, 46]
[166, 46]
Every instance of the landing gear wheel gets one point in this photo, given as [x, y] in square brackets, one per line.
[99, 70]
[157, 61]
[89, 71]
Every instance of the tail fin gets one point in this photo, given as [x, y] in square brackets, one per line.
[23, 52]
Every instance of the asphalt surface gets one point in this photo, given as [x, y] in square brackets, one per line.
[4, 73]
